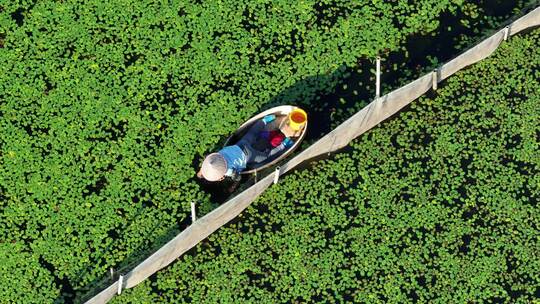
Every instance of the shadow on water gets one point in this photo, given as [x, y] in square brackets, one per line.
[425, 52]
[305, 93]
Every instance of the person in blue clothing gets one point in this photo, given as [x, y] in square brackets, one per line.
[253, 148]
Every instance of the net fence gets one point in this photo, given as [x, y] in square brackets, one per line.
[367, 118]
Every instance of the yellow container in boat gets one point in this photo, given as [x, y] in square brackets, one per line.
[297, 119]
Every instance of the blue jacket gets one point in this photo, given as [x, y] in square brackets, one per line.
[236, 159]
[240, 155]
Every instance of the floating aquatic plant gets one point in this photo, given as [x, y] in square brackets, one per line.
[106, 107]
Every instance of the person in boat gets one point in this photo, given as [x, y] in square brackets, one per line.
[264, 141]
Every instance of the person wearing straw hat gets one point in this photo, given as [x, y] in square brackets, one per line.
[260, 144]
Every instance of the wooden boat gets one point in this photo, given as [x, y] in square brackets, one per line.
[278, 111]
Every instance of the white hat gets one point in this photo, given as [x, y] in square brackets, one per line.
[214, 167]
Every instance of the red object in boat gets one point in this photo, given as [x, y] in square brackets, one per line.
[276, 137]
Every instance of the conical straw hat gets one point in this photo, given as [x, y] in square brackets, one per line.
[214, 167]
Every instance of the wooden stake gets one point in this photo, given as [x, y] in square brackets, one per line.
[378, 81]
[276, 175]
[120, 283]
[435, 79]
[193, 216]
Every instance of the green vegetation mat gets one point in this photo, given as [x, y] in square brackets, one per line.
[439, 205]
[107, 107]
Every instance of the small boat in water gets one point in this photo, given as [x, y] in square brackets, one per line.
[277, 111]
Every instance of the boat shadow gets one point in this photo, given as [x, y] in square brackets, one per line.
[314, 95]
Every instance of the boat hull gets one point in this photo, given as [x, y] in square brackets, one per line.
[278, 111]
